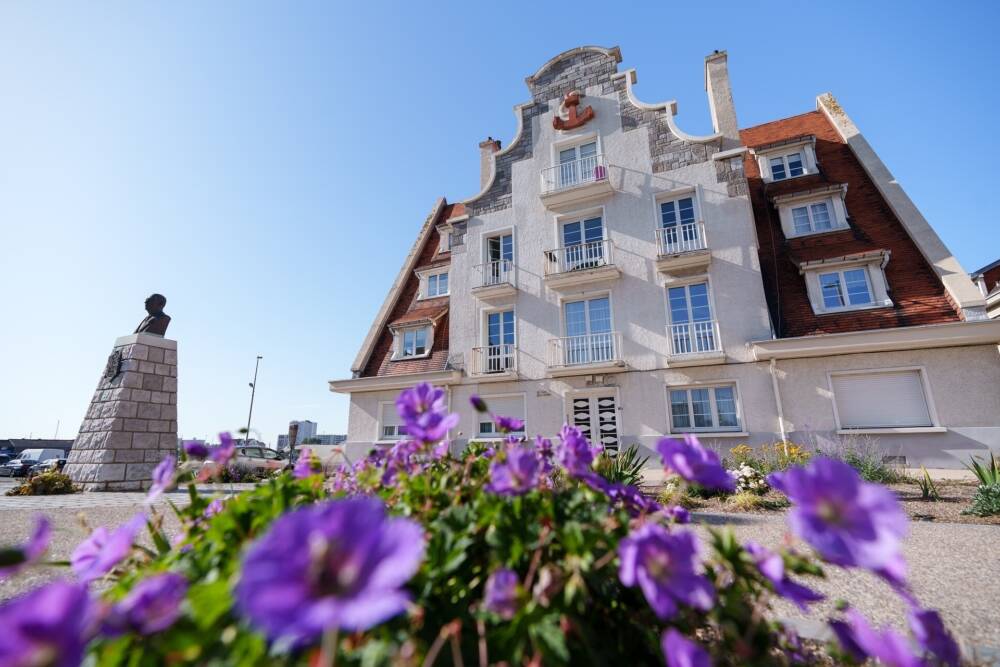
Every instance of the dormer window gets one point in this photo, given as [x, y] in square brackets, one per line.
[412, 343]
[813, 212]
[786, 160]
[853, 282]
[433, 282]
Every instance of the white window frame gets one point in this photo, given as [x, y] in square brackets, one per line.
[380, 424]
[928, 398]
[484, 323]
[715, 431]
[834, 203]
[497, 233]
[806, 148]
[874, 273]
[580, 216]
[674, 195]
[571, 141]
[483, 418]
[424, 276]
[584, 296]
[399, 341]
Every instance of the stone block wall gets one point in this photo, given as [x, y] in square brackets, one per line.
[131, 424]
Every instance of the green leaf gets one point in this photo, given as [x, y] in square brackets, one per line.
[209, 602]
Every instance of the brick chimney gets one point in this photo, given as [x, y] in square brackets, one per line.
[720, 98]
[486, 150]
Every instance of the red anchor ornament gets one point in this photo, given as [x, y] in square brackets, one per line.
[573, 119]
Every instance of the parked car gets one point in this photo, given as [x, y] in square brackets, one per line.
[260, 458]
[48, 465]
[26, 460]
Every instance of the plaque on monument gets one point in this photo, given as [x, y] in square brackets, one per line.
[131, 424]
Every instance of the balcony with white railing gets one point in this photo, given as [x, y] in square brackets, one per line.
[596, 352]
[495, 279]
[580, 264]
[694, 343]
[493, 361]
[576, 182]
[682, 247]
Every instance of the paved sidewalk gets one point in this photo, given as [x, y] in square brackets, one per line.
[953, 568]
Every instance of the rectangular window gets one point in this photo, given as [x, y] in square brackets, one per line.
[414, 343]
[786, 166]
[582, 247]
[704, 409]
[504, 406]
[577, 164]
[437, 284]
[588, 331]
[812, 218]
[843, 289]
[390, 424]
[691, 328]
[887, 399]
[677, 212]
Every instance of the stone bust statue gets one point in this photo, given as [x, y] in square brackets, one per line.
[156, 322]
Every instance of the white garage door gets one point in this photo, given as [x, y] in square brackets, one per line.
[881, 400]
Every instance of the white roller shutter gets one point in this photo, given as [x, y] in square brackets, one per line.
[503, 406]
[881, 400]
[389, 423]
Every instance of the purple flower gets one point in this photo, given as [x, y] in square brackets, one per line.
[478, 404]
[225, 451]
[27, 554]
[425, 415]
[772, 567]
[849, 522]
[152, 606]
[694, 463]
[213, 508]
[99, 553]
[502, 593]
[665, 566]
[931, 635]
[544, 447]
[516, 474]
[677, 514]
[682, 652]
[630, 496]
[195, 450]
[335, 565]
[862, 641]
[163, 478]
[49, 626]
[575, 453]
[508, 424]
[304, 466]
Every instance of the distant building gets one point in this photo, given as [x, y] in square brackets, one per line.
[323, 439]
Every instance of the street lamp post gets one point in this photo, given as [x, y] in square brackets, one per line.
[253, 391]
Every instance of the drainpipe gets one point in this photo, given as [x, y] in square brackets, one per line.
[777, 400]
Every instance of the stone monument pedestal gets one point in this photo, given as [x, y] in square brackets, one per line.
[131, 424]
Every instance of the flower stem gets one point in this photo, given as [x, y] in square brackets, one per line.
[329, 648]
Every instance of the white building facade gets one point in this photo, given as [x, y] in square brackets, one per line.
[608, 275]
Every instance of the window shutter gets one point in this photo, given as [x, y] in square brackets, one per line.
[506, 406]
[881, 400]
[389, 417]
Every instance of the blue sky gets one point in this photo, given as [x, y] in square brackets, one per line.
[267, 165]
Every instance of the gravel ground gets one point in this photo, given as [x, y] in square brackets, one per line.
[953, 566]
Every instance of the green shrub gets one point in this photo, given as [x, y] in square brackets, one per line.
[928, 489]
[625, 468]
[987, 474]
[769, 457]
[986, 501]
[865, 457]
[45, 484]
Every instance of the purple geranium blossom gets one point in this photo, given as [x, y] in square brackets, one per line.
[508, 424]
[575, 453]
[696, 464]
[163, 478]
[665, 566]
[862, 641]
[425, 415]
[335, 565]
[224, 453]
[153, 605]
[680, 651]
[304, 466]
[49, 626]
[677, 514]
[96, 555]
[213, 508]
[931, 635]
[516, 474]
[630, 496]
[27, 554]
[195, 450]
[478, 404]
[849, 522]
[501, 597]
[772, 567]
